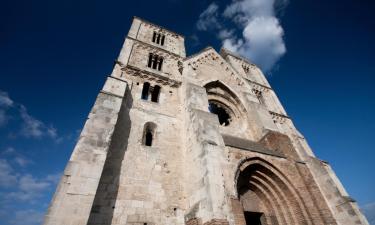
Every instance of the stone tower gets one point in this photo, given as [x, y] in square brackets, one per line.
[198, 140]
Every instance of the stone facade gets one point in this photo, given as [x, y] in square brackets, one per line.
[199, 140]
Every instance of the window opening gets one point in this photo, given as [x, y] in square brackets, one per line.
[160, 63]
[150, 57]
[145, 91]
[154, 37]
[154, 62]
[155, 93]
[148, 141]
[224, 117]
[162, 40]
[253, 218]
[158, 39]
[148, 133]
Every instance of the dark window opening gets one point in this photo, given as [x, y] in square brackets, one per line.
[158, 39]
[154, 37]
[155, 62]
[148, 133]
[155, 94]
[160, 64]
[148, 141]
[150, 57]
[253, 218]
[145, 91]
[224, 117]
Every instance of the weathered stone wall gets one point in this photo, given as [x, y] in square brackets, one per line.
[78, 186]
[192, 172]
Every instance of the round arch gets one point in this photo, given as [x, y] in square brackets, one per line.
[267, 195]
[226, 104]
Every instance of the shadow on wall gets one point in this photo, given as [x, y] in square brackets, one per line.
[105, 198]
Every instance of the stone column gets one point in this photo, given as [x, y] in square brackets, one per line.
[76, 191]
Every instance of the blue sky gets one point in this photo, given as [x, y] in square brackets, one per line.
[54, 57]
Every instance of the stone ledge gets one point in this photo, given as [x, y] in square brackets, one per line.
[248, 145]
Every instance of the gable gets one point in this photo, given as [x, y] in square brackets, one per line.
[208, 66]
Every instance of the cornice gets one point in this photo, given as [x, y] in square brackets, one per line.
[279, 118]
[134, 71]
[258, 86]
[153, 47]
[158, 26]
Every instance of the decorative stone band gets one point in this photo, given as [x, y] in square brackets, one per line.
[258, 86]
[134, 71]
[278, 118]
[155, 49]
[196, 221]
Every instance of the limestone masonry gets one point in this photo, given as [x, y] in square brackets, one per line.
[198, 140]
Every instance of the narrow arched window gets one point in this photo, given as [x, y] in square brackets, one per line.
[158, 40]
[155, 62]
[150, 57]
[145, 91]
[154, 37]
[148, 134]
[160, 63]
[155, 93]
[162, 40]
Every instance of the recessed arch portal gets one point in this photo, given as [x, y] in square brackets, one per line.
[267, 196]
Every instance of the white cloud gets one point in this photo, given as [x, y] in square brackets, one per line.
[369, 211]
[25, 187]
[5, 101]
[225, 34]
[31, 127]
[208, 19]
[27, 217]
[7, 176]
[262, 42]
[18, 158]
[3, 118]
[35, 128]
[261, 39]
[22, 161]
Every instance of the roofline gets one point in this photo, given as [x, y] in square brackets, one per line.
[198, 53]
[146, 21]
[225, 52]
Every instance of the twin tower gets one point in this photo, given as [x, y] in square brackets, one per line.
[198, 140]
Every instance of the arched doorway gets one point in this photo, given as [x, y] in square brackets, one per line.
[267, 197]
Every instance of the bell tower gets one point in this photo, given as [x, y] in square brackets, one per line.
[198, 140]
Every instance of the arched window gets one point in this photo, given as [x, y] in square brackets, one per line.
[160, 63]
[150, 57]
[148, 133]
[154, 37]
[158, 38]
[221, 112]
[155, 61]
[155, 93]
[145, 91]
